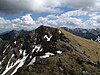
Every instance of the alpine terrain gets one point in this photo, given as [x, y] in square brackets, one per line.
[48, 51]
[91, 34]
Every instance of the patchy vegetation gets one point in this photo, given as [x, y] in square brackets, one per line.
[50, 51]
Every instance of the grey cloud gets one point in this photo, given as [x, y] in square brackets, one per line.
[14, 6]
[28, 23]
[6, 6]
[50, 6]
[80, 4]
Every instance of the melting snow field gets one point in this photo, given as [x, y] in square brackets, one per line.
[5, 49]
[37, 48]
[48, 38]
[15, 42]
[20, 51]
[0, 62]
[19, 63]
[47, 55]
[32, 61]
[59, 52]
[8, 67]
[59, 32]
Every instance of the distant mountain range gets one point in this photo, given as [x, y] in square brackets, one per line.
[91, 34]
[48, 51]
[13, 34]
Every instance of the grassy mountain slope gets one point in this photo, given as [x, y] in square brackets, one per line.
[69, 54]
[79, 57]
[90, 48]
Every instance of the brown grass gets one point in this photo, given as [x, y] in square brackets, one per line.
[90, 48]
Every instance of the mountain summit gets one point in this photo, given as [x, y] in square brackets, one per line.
[50, 51]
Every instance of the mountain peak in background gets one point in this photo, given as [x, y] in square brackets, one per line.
[90, 34]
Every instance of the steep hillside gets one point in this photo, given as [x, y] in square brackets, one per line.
[90, 48]
[13, 34]
[50, 51]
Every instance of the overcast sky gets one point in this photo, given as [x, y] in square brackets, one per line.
[29, 14]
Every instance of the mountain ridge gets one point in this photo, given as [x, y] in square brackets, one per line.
[91, 34]
[50, 51]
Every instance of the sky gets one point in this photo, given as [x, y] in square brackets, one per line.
[30, 14]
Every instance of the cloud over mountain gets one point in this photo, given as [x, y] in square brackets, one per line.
[80, 4]
[84, 13]
[28, 6]
[49, 6]
[66, 19]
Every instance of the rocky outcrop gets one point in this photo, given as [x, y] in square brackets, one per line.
[44, 51]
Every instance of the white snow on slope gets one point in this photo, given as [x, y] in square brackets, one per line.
[59, 32]
[48, 38]
[30, 57]
[47, 55]
[84, 31]
[24, 53]
[59, 52]
[0, 65]
[21, 44]
[3, 59]
[21, 63]
[37, 48]
[32, 61]
[20, 51]
[98, 39]
[8, 67]
[0, 62]
[41, 50]
[15, 42]
[5, 49]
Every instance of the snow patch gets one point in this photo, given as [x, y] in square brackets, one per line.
[32, 61]
[24, 52]
[37, 48]
[61, 68]
[48, 38]
[21, 63]
[86, 73]
[8, 67]
[98, 39]
[0, 65]
[0, 62]
[30, 57]
[91, 39]
[33, 46]
[15, 42]
[20, 51]
[84, 31]
[47, 55]
[3, 59]
[59, 32]
[21, 44]
[41, 50]
[59, 52]
[5, 49]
